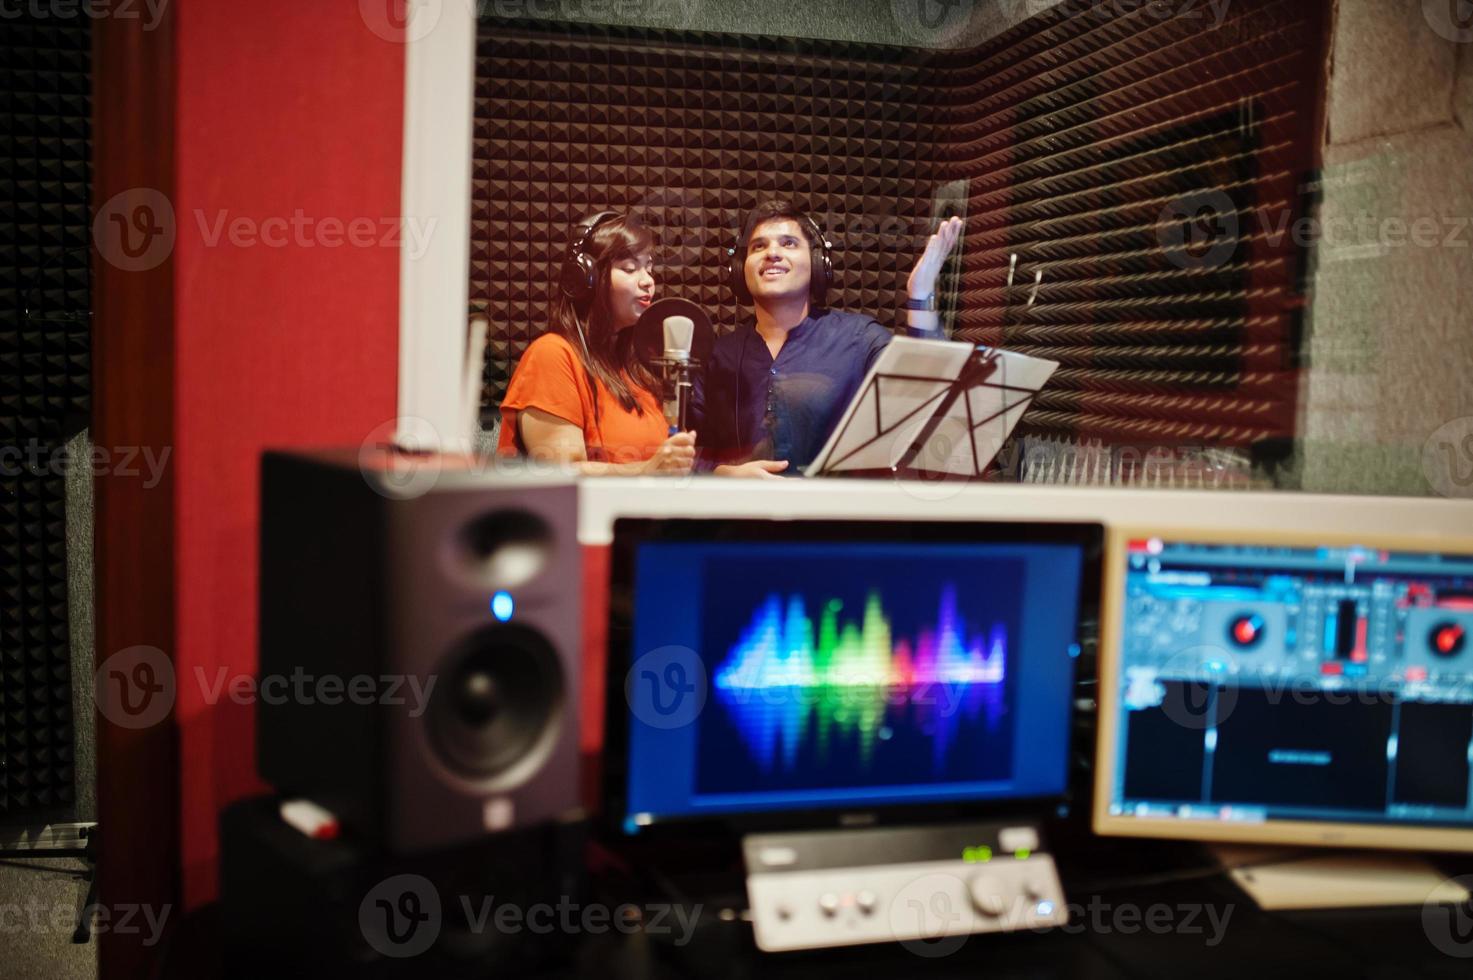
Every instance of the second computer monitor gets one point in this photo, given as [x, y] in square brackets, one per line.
[1283, 689]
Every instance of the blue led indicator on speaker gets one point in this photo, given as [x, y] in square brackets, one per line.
[502, 606]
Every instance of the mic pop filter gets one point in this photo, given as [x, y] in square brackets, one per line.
[649, 330]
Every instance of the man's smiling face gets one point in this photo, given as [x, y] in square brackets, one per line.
[779, 263]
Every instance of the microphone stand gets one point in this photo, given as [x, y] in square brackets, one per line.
[676, 368]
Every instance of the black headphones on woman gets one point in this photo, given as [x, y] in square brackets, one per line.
[822, 263]
[579, 276]
[577, 280]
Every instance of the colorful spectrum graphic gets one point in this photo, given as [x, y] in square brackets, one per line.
[784, 681]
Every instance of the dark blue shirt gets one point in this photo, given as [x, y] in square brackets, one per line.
[749, 406]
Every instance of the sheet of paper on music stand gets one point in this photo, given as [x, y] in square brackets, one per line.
[902, 392]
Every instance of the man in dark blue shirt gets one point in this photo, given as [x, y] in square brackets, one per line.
[772, 391]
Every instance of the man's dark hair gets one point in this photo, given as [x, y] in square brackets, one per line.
[777, 209]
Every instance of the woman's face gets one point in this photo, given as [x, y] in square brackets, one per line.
[631, 289]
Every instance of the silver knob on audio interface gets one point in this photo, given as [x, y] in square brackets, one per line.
[987, 895]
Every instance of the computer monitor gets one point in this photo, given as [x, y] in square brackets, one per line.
[782, 674]
[1283, 689]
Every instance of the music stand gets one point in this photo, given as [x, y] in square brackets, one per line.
[930, 408]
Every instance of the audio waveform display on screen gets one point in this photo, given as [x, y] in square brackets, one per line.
[798, 690]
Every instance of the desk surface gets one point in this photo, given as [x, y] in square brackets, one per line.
[1201, 928]
[1137, 909]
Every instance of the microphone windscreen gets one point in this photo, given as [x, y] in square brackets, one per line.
[679, 332]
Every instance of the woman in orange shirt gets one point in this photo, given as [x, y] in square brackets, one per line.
[580, 394]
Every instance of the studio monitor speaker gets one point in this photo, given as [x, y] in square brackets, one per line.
[419, 644]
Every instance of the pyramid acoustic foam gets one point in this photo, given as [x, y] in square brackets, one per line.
[44, 385]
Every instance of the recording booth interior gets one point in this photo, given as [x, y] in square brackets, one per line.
[1061, 140]
[1167, 672]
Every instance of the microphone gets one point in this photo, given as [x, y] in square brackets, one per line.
[679, 332]
[675, 337]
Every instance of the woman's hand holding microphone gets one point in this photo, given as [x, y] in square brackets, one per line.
[675, 457]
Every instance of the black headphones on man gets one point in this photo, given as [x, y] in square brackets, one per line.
[822, 264]
[579, 276]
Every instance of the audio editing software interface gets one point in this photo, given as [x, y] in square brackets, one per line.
[1274, 683]
[837, 674]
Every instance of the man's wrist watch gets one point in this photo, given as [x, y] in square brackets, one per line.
[926, 305]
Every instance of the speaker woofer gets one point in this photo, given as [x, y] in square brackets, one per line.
[496, 710]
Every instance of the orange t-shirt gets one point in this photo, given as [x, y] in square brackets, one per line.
[549, 377]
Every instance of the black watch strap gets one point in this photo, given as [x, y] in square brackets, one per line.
[927, 305]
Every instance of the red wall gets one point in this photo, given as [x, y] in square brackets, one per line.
[596, 569]
[290, 107]
[280, 110]
[597, 561]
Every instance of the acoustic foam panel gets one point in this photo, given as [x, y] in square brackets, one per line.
[44, 385]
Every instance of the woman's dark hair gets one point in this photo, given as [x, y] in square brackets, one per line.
[610, 355]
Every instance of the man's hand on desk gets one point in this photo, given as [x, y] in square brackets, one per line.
[757, 469]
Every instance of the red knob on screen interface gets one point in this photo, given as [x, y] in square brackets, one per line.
[1246, 630]
[1447, 639]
